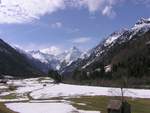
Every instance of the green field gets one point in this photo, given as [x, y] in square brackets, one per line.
[98, 103]
[3, 109]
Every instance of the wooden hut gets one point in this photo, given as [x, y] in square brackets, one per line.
[117, 106]
[114, 106]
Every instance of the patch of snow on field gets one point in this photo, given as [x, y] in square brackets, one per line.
[28, 85]
[4, 93]
[3, 87]
[83, 111]
[29, 88]
[60, 90]
[46, 90]
[14, 100]
[49, 101]
[38, 88]
[65, 90]
[44, 108]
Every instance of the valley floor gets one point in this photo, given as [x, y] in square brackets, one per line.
[40, 95]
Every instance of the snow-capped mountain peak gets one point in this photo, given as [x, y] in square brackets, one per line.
[70, 56]
[46, 56]
[142, 25]
[143, 21]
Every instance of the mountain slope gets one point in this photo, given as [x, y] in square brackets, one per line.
[15, 64]
[117, 40]
[124, 52]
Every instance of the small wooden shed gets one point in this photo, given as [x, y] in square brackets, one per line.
[114, 106]
[117, 106]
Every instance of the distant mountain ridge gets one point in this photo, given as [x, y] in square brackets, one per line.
[59, 61]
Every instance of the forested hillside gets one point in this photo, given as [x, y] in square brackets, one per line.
[15, 64]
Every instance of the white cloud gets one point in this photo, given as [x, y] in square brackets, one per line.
[93, 5]
[56, 25]
[143, 2]
[51, 50]
[21, 11]
[81, 40]
[104, 6]
[108, 11]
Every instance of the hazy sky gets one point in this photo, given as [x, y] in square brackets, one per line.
[61, 24]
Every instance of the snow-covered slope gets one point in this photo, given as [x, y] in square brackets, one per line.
[45, 58]
[142, 26]
[119, 37]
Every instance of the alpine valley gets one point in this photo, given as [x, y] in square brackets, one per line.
[74, 56]
[123, 54]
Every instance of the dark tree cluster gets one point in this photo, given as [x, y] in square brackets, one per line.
[97, 71]
[55, 75]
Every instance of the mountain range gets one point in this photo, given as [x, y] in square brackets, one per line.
[126, 50]
[124, 53]
[57, 62]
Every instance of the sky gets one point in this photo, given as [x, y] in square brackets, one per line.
[61, 24]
